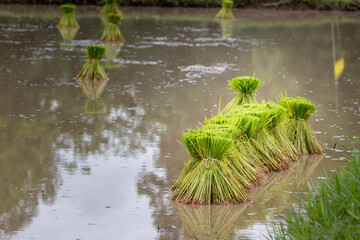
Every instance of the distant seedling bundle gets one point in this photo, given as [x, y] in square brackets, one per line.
[68, 19]
[231, 151]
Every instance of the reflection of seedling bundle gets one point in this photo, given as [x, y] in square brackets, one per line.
[92, 88]
[225, 12]
[209, 222]
[110, 7]
[93, 69]
[232, 150]
[300, 133]
[68, 34]
[95, 106]
[68, 19]
[245, 86]
[226, 27]
[112, 51]
[112, 31]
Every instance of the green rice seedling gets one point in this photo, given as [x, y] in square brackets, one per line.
[93, 69]
[278, 129]
[211, 178]
[112, 32]
[95, 106]
[245, 86]
[225, 12]
[68, 19]
[300, 133]
[110, 7]
[265, 144]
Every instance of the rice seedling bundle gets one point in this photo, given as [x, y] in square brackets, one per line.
[68, 19]
[93, 69]
[210, 177]
[110, 7]
[112, 32]
[300, 133]
[225, 12]
[278, 130]
[245, 86]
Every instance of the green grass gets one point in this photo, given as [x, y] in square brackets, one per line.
[330, 211]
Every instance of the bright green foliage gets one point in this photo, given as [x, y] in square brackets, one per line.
[95, 52]
[110, 7]
[114, 18]
[330, 211]
[245, 86]
[93, 69]
[298, 108]
[68, 19]
[300, 133]
[112, 32]
[225, 12]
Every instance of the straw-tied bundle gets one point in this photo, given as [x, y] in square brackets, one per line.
[93, 69]
[300, 133]
[225, 12]
[68, 19]
[210, 176]
[110, 7]
[245, 86]
[112, 32]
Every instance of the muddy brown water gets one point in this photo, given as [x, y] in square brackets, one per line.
[73, 168]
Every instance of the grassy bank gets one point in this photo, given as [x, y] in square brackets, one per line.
[331, 211]
[351, 5]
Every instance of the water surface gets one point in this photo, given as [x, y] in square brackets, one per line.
[74, 168]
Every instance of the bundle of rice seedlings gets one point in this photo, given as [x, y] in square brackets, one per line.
[278, 130]
[248, 173]
[95, 106]
[300, 133]
[110, 7]
[92, 88]
[68, 19]
[93, 69]
[210, 177]
[112, 31]
[245, 86]
[267, 146]
[225, 12]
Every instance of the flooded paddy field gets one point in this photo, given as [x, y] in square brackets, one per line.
[74, 168]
